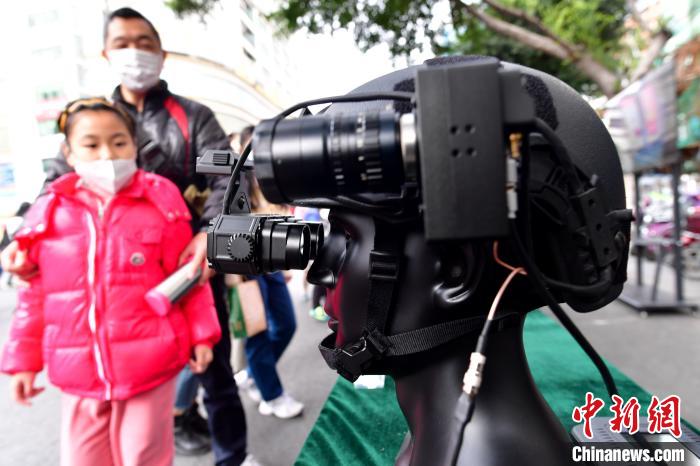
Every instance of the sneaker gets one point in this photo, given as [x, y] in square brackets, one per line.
[247, 385]
[253, 393]
[319, 314]
[242, 378]
[250, 460]
[283, 407]
[195, 421]
[187, 442]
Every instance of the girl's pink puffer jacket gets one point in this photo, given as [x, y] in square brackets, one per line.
[86, 307]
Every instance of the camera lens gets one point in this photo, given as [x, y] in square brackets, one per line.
[316, 238]
[285, 246]
[327, 155]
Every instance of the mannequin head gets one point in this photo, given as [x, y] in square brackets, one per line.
[442, 282]
[438, 283]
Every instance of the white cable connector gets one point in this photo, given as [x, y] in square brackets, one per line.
[474, 375]
[511, 187]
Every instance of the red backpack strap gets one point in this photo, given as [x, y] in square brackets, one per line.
[178, 114]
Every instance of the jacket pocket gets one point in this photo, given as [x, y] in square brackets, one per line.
[140, 250]
[70, 367]
[144, 350]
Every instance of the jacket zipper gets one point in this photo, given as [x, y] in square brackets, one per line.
[92, 318]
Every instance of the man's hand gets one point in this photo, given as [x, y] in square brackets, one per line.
[14, 260]
[196, 252]
[22, 387]
[202, 356]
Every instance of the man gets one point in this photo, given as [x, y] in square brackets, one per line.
[174, 131]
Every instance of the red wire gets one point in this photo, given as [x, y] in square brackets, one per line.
[514, 271]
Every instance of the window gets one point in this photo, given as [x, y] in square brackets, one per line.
[49, 94]
[248, 34]
[47, 127]
[247, 9]
[249, 55]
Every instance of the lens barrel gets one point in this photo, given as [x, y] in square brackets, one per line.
[316, 238]
[284, 245]
[328, 155]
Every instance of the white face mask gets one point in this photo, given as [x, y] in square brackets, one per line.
[109, 176]
[136, 69]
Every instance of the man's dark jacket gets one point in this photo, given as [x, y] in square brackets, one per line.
[162, 148]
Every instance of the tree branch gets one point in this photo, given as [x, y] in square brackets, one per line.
[657, 38]
[454, 11]
[607, 80]
[532, 39]
[653, 49]
[532, 20]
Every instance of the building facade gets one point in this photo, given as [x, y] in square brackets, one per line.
[231, 60]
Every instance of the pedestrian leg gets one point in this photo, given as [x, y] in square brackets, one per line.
[224, 409]
[142, 429]
[85, 439]
[281, 319]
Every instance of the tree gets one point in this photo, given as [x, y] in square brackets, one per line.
[185, 7]
[587, 43]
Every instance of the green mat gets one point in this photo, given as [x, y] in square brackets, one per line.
[366, 427]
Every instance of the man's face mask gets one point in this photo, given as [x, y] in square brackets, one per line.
[136, 69]
[109, 176]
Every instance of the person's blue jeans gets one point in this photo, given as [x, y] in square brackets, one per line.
[264, 349]
[185, 389]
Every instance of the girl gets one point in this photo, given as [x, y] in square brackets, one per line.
[101, 238]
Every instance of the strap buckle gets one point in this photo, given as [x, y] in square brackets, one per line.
[383, 266]
[353, 358]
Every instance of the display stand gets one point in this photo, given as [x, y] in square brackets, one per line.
[646, 298]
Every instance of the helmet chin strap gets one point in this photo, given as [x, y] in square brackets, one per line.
[384, 271]
[355, 358]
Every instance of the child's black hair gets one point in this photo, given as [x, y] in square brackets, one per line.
[96, 104]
